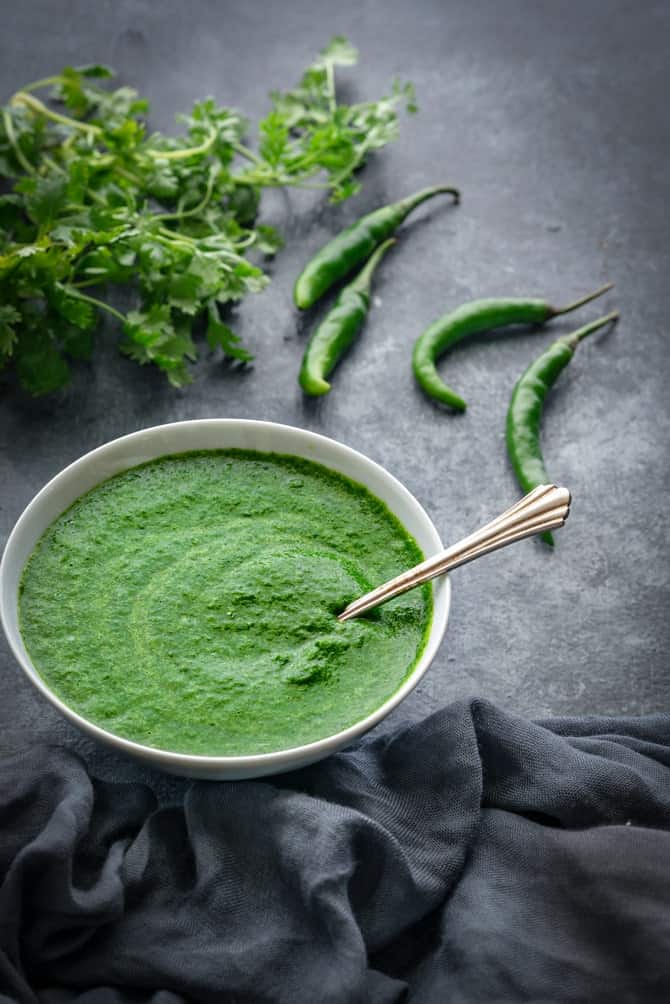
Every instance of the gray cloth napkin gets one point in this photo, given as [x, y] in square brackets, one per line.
[473, 857]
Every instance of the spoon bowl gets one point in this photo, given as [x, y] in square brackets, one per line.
[543, 509]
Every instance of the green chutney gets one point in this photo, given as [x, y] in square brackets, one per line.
[190, 603]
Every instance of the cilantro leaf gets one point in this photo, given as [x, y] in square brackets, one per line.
[9, 318]
[268, 240]
[77, 311]
[45, 197]
[309, 134]
[40, 365]
[274, 138]
[219, 335]
[98, 70]
[338, 52]
[183, 293]
[149, 328]
[94, 201]
[77, 344]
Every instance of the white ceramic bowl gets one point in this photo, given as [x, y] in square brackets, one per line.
[204, 434]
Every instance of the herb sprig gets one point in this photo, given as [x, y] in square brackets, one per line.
[94, 201]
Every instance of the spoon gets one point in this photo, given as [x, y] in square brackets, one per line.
[545, 508]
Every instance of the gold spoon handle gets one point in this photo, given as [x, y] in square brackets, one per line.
[545, 508]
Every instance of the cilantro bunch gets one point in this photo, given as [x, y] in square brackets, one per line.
[92, 200]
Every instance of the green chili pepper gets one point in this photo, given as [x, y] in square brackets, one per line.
[525, 410]
[473, 318]
[339, 328]
[352, 246]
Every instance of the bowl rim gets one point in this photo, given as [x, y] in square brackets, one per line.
[171, 758]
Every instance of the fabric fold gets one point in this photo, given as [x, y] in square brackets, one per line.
[473, 856]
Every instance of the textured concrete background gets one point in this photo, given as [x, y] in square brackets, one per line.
[553, 118]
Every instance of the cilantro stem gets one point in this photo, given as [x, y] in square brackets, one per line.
[95, 302]
[175, 238]
[245, 242]
[83, 283]
[37, 106]
[172, 239]
[330, 77]
[123, 173]
[350, 168]
[272, 180]
[120, 206]
[244, 151]
[44, 82]
[291, 183]
[52, 164]
[194, 210]
[18, 152]
[185, 153]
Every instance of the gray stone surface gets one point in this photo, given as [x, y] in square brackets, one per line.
[554, 120]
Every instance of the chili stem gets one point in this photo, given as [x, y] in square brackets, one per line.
[583, 300]
[573, 339]
[364, 278]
